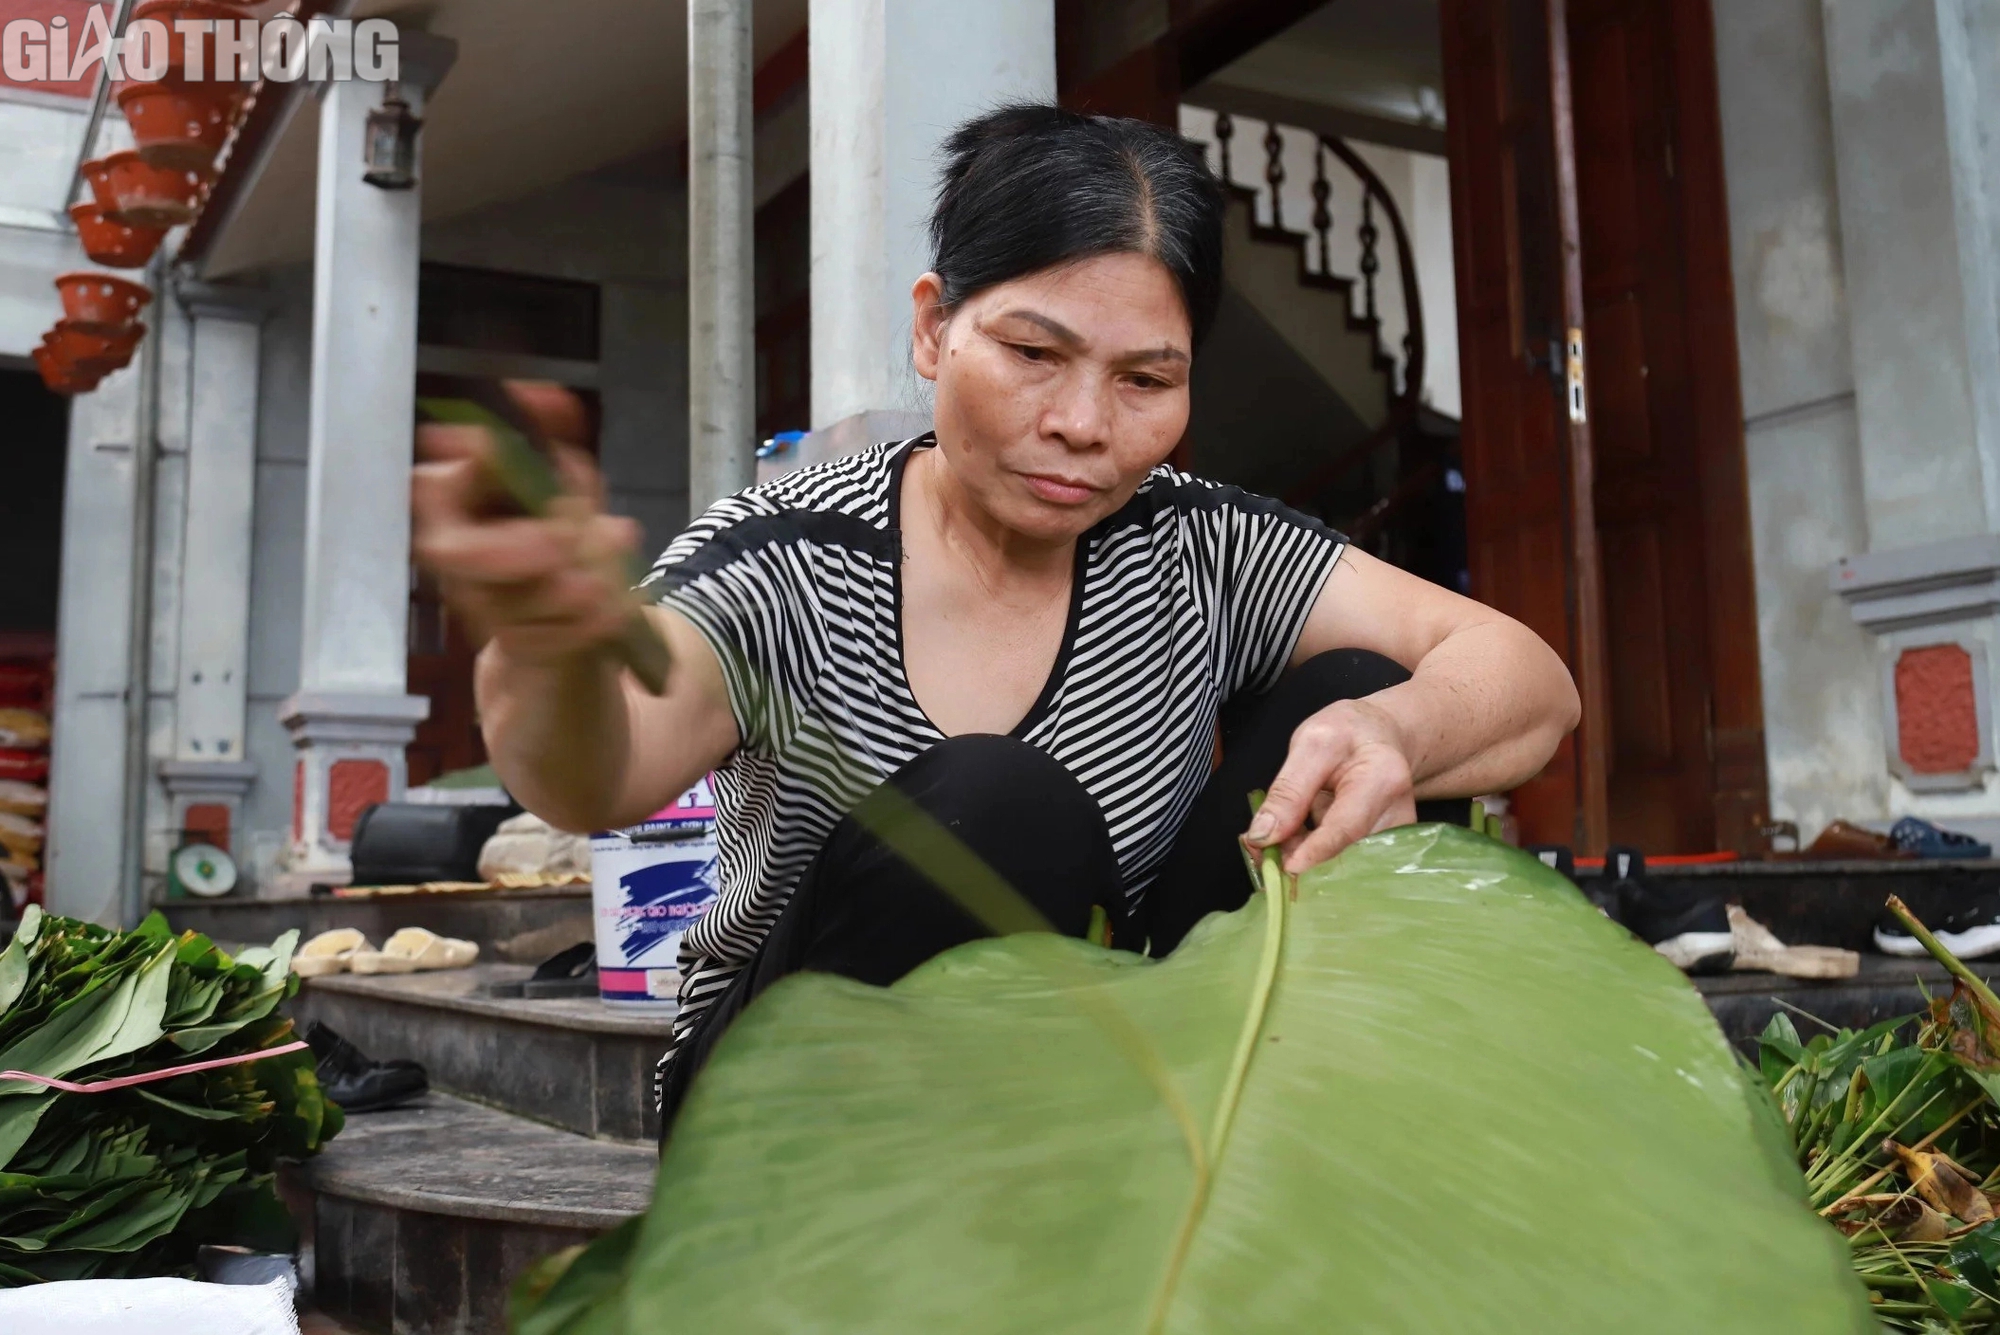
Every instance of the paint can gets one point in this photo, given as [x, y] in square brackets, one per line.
[648, 885]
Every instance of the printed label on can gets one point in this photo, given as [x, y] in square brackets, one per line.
[649, 884]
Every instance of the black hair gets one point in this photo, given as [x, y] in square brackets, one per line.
[1028, 186]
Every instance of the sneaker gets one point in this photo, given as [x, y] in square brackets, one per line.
[1922, 839]
[1691, 929]
[356, 1081]
[1967, 926]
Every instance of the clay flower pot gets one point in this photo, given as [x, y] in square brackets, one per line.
[143, 195]
[97, 173]
[179, 125]
[96, 353]
[60, 376]
[100, 301]
[113, 243]
[90, 350]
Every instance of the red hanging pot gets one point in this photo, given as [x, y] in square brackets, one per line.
[59, 375]
[94, 351]
[101, 301]
[113, 243]
[143, 195]
[179, 125]
[97, 174]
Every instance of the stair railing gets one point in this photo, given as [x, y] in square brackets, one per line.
[1318, 255]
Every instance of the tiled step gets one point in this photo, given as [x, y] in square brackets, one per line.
[423, 1218]
[1828, 903]
[484, 916]
[575, 1064]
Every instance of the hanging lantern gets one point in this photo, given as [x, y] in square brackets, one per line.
[391, 143]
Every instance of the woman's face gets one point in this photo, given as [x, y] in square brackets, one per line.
[1058, 391]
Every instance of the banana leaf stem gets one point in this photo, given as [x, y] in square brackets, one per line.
[1952, 963]
[1276, 898]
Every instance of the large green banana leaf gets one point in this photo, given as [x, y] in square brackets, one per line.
[1436, 1092]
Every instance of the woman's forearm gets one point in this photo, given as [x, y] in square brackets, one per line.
[559, 734]
[1483, 712]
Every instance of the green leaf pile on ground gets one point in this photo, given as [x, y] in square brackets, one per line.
[1436, 1091]
[130, 1182]
[1897, 1130]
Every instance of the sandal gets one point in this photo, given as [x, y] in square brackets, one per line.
[1759, 950]
[1920, 838]
[415, 949]
[329, 952]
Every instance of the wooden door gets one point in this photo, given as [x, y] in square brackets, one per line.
[1686, 741]
[1530, 532]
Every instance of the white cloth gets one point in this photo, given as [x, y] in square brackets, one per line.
[148, 1307]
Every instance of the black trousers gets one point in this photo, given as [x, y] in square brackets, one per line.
[862, 912]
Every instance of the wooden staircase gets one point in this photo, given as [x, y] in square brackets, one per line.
[1340, 288]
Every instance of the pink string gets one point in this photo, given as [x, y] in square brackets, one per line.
[166, 1073]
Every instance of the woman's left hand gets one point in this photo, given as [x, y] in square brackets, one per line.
[1348, 770]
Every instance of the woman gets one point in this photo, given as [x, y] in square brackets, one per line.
[1022, 621]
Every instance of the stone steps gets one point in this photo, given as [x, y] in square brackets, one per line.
[420, 1220]
[538, 1134]
[575, 1064]
[485, 916]
[1743, 1003]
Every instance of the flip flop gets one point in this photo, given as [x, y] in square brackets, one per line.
[1925, 840]
[425, 950]
[1759, 950]
[329, 952]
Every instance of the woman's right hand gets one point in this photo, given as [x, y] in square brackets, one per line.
[545, 590]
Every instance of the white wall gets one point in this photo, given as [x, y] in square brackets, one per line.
[1822, 714]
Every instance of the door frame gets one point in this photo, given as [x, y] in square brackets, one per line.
[1737, 780]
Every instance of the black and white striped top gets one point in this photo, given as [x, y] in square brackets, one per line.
[1188, 594]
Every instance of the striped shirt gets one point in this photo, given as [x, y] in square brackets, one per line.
[1190, 593]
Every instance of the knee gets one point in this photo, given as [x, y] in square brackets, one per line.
[1345, 674]
[997, 783]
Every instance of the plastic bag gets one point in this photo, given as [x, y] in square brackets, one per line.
[1437, 1092]
[149, 1307]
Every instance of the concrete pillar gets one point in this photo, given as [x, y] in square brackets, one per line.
[890, 78]
[352, 717]
[209, 772]
[1909, 92]
[1917, 236]
[722, 367]
[85, 849]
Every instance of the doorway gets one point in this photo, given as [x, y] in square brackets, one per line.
[1599, 479]
[31, 508]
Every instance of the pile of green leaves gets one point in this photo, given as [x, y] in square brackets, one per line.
[1897, 1129]
[1425, 1088]
[130, 1182]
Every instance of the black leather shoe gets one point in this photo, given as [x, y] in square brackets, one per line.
[356, 1081]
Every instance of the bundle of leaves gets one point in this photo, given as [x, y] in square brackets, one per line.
[1897, 1128]
[130, 1182]
[1425, 1088]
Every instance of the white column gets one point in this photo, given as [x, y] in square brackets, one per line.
[352, 716]
[722, 367]
[891, 78]
[1911, 93]
[1917, 239]
[208, 772]
[85, 851]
